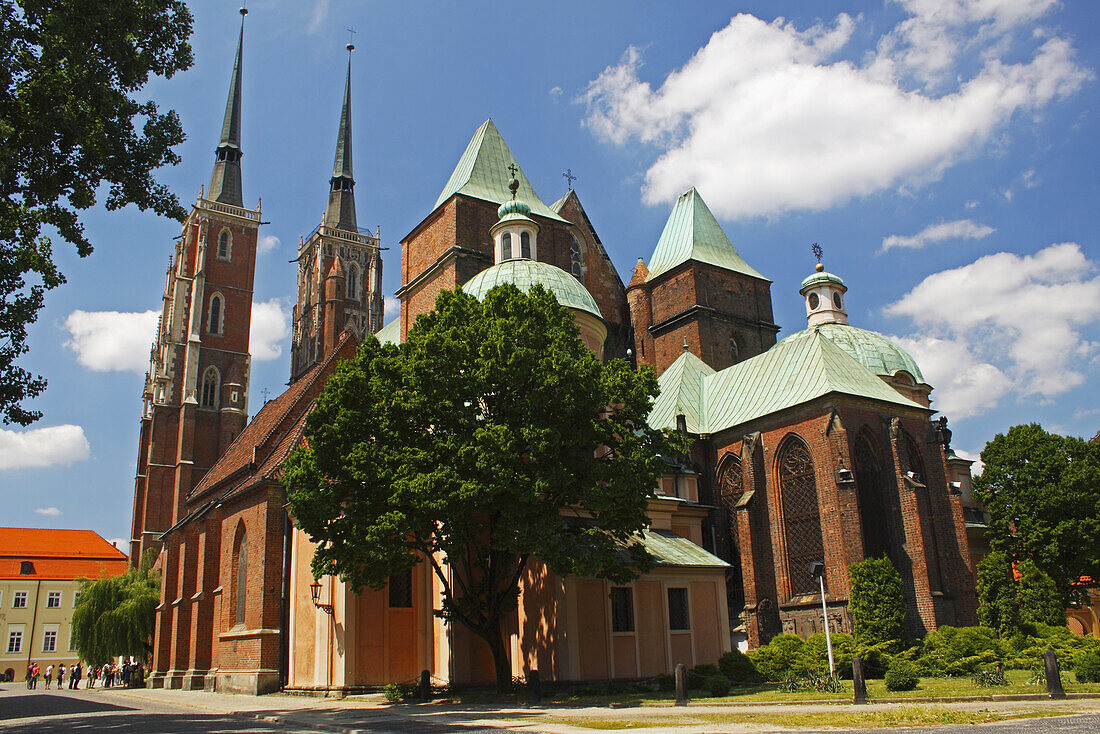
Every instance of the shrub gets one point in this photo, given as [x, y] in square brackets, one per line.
[738, 669]
[792, 683]
[1087, 668]
[395, 692]
[1038, 597]
[990, 677]
[815, 653]
[666, 682]
[697, 676]
[901, 676]
[997, 606]
[717, 686]
[877, 602]
[776, 659]
[958, 650]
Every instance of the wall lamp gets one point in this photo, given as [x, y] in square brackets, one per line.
[315, 593]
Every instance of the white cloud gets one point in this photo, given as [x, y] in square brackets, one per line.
[41, 447]
[764, 119]
[267, 243]
[112, 340]
[391, 308]
[977, 467]
[269, 330]
[555, 92]
[121, 543]
[318, 16]
[1004, 325]
[48, 511]
[960, 229]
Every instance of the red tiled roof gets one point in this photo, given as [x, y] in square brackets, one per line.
[58, 554]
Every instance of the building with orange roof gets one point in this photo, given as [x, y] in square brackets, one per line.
[40, 572]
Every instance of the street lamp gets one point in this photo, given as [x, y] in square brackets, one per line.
[817, 571]
[315, 593]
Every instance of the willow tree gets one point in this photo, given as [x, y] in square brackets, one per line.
[115, 615]
[491, 438]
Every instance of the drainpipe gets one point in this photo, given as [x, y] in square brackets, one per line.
[34, 619]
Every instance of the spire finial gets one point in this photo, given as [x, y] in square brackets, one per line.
[340, 211]
[351, 39]
[569, 178]
[513, 183]
[818, 252]
[686, 347]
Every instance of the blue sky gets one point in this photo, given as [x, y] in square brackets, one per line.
[943, 152]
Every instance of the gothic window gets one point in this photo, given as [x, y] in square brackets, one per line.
[214, 322]
[506, 246]
[225, 244]
[732, 484]
[209, 397]
[801, 518]
[733, 350]
[575, 258]
[525, 244]
[353, 282]
[240, 572]
[915, 464]
[914, 461]
[873, 511]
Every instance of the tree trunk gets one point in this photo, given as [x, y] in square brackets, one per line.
[491, 633]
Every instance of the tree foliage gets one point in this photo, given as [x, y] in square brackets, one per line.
[115, 615]
[1042, 492]
[71, 122]
[997, 606]
[490, 438]
[877, 602]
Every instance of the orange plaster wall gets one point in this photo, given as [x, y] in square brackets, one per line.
[592, 629]
[370, 653]
[625, 650]
[649, 621]
[539, 620]
[305, 614]
[704, 621]
[680, 642]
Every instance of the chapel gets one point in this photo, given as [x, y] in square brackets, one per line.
[818, 448]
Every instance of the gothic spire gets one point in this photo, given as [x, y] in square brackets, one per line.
[225, 182]
[341, 197]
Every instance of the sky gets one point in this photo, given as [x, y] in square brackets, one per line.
[944, 153]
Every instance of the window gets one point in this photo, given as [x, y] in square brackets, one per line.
[401, 590]
[575, 258]
[241, 570]
[873, 513]
[733, 350]
[209, 397]
[678, 609]
[214, 323]
[622, 609]
[928, 519]
[76, 599]
[49, 640]
[225, 243]
[814, 301]
[19, 600]
[53, 600]
[506, 246]
[801, 517]
[15, 639]
[1, 598]
[525, 244]
[836, 301]
[26, 568]
[353, 282]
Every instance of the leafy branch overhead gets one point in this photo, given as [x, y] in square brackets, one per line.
[73, 123]
[491, 442]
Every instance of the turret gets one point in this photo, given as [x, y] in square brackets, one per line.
[515, 234]
[824, 294]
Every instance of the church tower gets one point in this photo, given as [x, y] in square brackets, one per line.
[195, 400]
[339, 268]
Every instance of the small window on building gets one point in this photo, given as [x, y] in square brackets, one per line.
[76, 599]
[19, 600]
[214, 323]
[49, 640]
[353, 282]
[506, 246]
[26, 568]
[733, 350]
[622, 609]
[525, 244]
[209, 398]
[814, 301]
[836, 301]
[224, 245]
[575, 258]
[53, 600]
[15, 640]
[678, 609]
[401, 590]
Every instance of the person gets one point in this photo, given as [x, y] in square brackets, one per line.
[110, 675]
[30, 668]
[74, 676]
[34, 675]
[49, 676]
[60, 675]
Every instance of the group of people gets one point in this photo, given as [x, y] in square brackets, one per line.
[110, 675]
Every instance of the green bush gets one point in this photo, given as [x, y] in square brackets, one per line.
[990, 677]
[778, 658]
[697, 676]
[1038, 596]
[666, 682]
[901, 676]
[958, 651]
[395, 692]
[1024, 650]
[1087, 668]
[815, 653]
[717, 686]
[739, 670]
[877, 602]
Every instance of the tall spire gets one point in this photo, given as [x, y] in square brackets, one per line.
[341, 196]
[225, 182]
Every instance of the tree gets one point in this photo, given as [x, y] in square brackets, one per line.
[997, 606]
[490, 438]
[1042, 492]
[1038, 597]
[877, 602]
[115, 615]
[69, 123]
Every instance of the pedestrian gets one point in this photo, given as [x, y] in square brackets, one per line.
[92, 670]
[74, 676]
[60, 675]
[34, 675]
[30, 669]
[110, 675]
[49, 676]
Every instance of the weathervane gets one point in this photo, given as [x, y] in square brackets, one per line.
[569, 177]
[513, 184]
[351, 38]
[817, 251]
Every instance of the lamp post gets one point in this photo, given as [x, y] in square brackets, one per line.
[817, 571]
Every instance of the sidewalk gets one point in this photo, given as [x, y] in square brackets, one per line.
[370, 713]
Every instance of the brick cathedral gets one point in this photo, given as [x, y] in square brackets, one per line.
[818, 447]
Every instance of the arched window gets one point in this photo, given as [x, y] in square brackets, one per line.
[915, 468]
[240, 574]
[801, 517]
[353, 281]
[214, 322]
[506, 246]
[525, 244]
[732, 483]
[733, 350]
[763, 563]
[225, 244]
[575, 258]
[873, 511]
[209, 397]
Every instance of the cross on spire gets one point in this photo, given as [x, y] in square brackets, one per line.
[569, 178]
[513, 183]
[817, 251]
[351, 38]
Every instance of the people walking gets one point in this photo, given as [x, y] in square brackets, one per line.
[30, 671]
[74, 676]
[92, 671]
[49, 676]
[60, 675]
[34, 675]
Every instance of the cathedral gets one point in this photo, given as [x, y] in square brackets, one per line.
[819, 448]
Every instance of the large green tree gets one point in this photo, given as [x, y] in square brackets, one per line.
[73, 123]
[877, 602]
[490, 438]
[115, 615]
[1042, 492]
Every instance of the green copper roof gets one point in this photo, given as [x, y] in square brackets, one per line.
[692, 233]
[513, 206]
[523, 273]
[482, 172]
[792, 372]
[390, 333]
[820, 278]
[670, 549]
[871, 349]
[681, 393]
